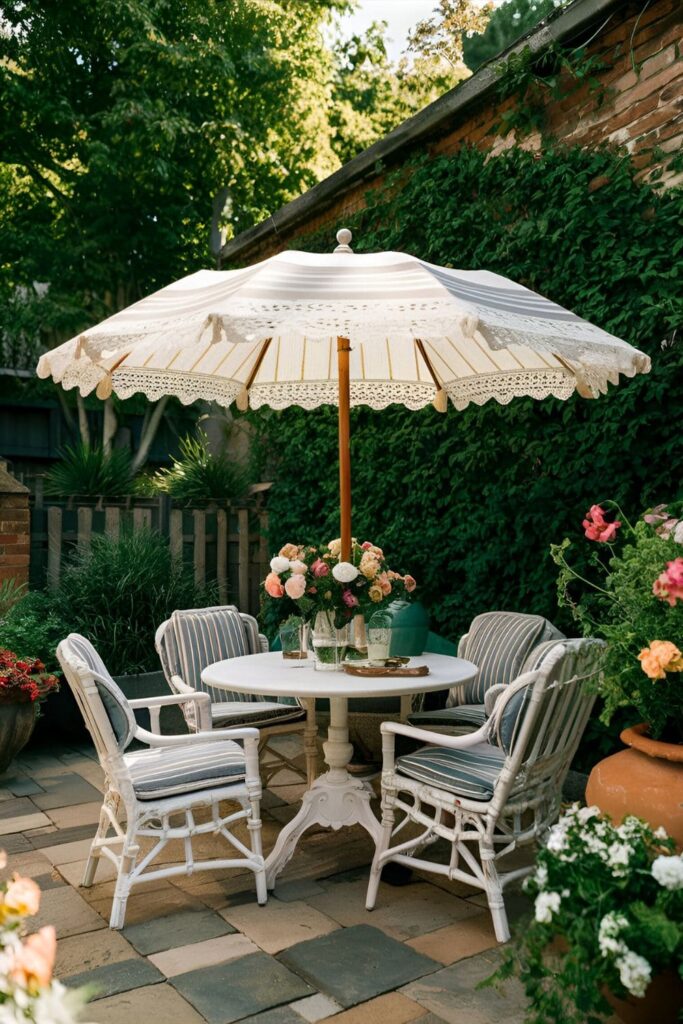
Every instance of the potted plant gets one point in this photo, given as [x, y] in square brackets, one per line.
[607, 931]
[632, 595]
[23, 684]
[28, 991]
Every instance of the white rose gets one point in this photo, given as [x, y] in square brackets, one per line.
[344, 572]
[635, 972]
[678, 532]
[279, 564]
[297, 566]
[546, 904]
[668, 871]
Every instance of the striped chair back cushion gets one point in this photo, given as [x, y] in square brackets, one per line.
[499, 644]
[202, 637]
[116, 706]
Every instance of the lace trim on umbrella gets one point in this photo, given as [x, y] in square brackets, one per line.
[375, 394]
[503, 387]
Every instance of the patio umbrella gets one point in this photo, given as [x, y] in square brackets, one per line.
[343, 328]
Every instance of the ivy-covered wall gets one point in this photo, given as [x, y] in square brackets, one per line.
[469, 502]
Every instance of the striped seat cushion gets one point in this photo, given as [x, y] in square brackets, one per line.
[462, 714]
[258, 712]
[471, 773]
[168, 771]
[499, 643]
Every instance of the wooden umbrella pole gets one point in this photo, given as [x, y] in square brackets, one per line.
[343, 350]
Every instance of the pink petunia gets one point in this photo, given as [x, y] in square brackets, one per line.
[600, 524]
[669, 584]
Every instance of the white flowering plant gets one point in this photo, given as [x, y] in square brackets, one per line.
[307, 579]
[608, 917]
[28, 992]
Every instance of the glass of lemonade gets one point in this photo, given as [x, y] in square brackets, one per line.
[293, 640]
[379, 638]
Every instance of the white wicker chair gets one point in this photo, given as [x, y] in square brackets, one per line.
[496, 789]
[196, 637]
[154, 793]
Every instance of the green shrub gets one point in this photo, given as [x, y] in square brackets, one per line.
[89, 472]
[33, 627]
[199, 476]
[119, 591]
[11, 591]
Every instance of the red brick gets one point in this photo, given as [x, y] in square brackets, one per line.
[14, 560]
[13, 501]
[9, 538]
[14, 549]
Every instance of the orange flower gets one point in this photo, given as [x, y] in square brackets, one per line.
[375, 593]
[369, 565]
[33, 962]
[289, 551]
[22, 898]
[659, 658]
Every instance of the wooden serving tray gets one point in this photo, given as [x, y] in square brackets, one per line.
[370, 670]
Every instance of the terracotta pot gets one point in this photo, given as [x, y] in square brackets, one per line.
[16, 726]
[659, 1005]
[645, 780]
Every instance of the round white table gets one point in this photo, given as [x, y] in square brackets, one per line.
[336, 798]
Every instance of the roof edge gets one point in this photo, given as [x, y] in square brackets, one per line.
[422, 125]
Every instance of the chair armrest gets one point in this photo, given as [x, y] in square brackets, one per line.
[179, 686]
[438, 738]
[198, 697]
[492, 695]
[196, 738]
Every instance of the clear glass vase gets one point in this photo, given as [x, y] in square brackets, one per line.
[328, 644]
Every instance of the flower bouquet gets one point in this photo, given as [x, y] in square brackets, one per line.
[608, 918]
[313, 582]
[24, 680]
[632, 596]
[28, 992]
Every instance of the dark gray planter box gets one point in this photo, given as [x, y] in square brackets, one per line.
[152, 684]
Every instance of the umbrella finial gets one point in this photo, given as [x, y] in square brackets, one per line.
[344, 237]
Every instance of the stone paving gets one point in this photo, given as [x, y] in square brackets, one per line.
[199, 949]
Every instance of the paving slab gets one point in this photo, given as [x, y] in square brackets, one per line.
[316, 1008]
[156, 1004]
[356, 964]
[54, 836]
[21, 785]
[68, 853]
[21, 822]
[15, 842]
[86, 952]
[280, 1015]
[50, 880]
[241, 988]
[403, 912]
[64, 789]
[73, 873]
[173, 930]
[452, 993]
[67, 911]
[26, 861]
[278, 925]
[456, 941]
[141, 907]
[392, 1008]
[301, 889]
[121, 976]
[76, 814]
[202, 954]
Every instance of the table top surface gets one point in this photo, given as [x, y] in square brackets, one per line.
[270, 675]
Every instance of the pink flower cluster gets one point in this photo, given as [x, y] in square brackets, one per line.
[601, 524]
[669, 584]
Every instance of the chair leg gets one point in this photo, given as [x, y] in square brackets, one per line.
[494, 893]
[254, 827]
[129, 856]
[93, 860]
[381, 848]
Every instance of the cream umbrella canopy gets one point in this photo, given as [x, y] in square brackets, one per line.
[343, 328]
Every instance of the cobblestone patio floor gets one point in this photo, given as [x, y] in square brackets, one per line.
[200, 949]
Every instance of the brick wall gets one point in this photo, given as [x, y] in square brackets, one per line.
[15, 528]
[639, 111]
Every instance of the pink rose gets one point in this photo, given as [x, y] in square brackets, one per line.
[601, 524]
[366, 545]
[669, 584]
[295, 587]
[32, 963]
[297, 566]
[320, 568]
[409, 583]
[349, 599]
[385, 583]
[273, 585]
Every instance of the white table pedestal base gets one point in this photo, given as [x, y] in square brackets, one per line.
[335, 800]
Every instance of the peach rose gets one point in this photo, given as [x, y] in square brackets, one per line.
[289, 551]
[385, 583]
[33, 962]
[335, 548]
[369, 565]
[297, 566]
[375, 593]
[409, 583]
[295, 587]
[22, 898]
[273, 585]
[659, 658]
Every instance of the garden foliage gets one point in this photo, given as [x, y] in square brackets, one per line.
[482, 494]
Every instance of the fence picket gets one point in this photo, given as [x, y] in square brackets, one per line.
[142, 518]
[54, 546]
[112, 522]
[84, 514]
[222, 554]
[199, 518]
[175, 533]
[243, 558]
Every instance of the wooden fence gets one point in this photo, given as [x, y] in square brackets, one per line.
[226, 546]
